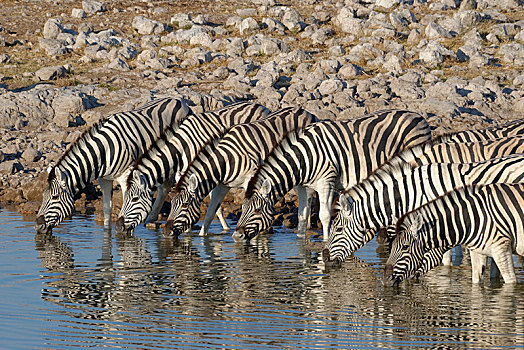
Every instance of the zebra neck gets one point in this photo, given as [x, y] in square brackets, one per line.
[78, 173]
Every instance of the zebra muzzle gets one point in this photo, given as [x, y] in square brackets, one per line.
[121, 228]
[328, 262]
[41, 226]
[169, 230]
[388, 278]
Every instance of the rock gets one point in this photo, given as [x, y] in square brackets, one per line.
[10, 167]
[468, 5]
[202, 39]
[336, 51]
[147, 26]
[329, 66]
[4, 58]
[51, 73]
[513, 53]
[248, 12]
[31, 155]
[119, 64]
[52, 28]
[435, 31]
[53, 47]
[350, 71]
[434, 53]
[67, 107]
[505, 30]
[273, 25]
[248, 26]
[293, 21]
[92, 6]
[387, 4]
[330, 86]
[78, 13]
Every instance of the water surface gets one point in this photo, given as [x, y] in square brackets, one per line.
[83, 286]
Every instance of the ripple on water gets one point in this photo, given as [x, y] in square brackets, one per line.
[83, 286]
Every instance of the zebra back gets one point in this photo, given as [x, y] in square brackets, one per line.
[396, 189]
[115, 142]
[513, 128]
[177, 147]
[439, 150]
[351, 148]
[244, 147]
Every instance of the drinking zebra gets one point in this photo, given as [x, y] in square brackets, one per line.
[104, 152]
[227, 163]
[324, 157]
[487, 219]
[170, 155]
[442, 149]
[395, 189]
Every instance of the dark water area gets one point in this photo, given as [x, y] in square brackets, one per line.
[83, 286]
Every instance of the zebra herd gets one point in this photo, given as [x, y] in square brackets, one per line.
[423, 195]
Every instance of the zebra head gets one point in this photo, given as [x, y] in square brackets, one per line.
[257, 214]
[407, 253]
[57, 202]
[185, 210]
[138, 201]
[346, 236]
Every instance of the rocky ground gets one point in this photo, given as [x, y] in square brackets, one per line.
[64, 64]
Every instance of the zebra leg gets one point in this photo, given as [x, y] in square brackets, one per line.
[478, 266]
[503, 256]
[304, 209]
[107, 199]
[217, 196]
[159, 201]
[494, 271]
[325, 197]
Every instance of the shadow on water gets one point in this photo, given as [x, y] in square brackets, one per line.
[100, 289]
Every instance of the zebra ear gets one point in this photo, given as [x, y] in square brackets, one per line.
[266, 187]
[416, 225]
[346, 203]
[61, 176]
[193, 183]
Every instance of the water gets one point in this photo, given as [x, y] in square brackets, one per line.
[85, 287]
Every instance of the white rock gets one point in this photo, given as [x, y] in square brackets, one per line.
[52, 28]
[92, 6]
[330, 86]
[78, 13]
[147, 26]
[202, 39]
[387, 3]
[248, 26]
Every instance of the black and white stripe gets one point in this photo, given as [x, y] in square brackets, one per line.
[169, 156]
[230, 162]
[488, 220]
[325, 157]
[104, 152]
[513, 128]
[396, 189]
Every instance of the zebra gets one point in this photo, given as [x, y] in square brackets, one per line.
[487, 219]
[395, 189]
[323, 157]
[443, 149]
[170, 155]
[229, 163]
[513, 128]
[104, 152]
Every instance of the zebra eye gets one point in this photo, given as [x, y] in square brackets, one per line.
[405, 247]
[134, 199]
[54, 197]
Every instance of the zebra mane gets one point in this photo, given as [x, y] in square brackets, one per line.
[160, 141]
[212, 142]
[250, 189]
[89, 132]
